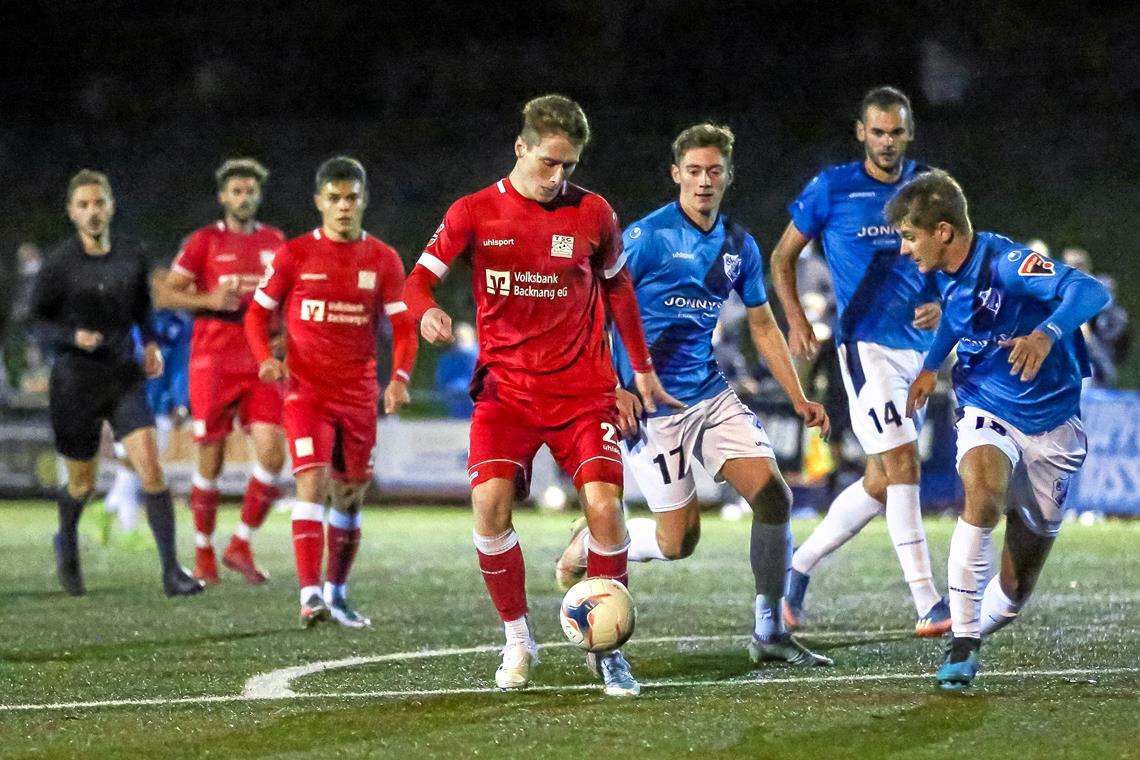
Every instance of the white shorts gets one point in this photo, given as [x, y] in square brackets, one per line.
[877, 379]
[1048, 461]
[711, 431]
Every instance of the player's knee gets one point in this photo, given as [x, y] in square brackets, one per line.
[773, 502]
[81, 488]
[679, 545]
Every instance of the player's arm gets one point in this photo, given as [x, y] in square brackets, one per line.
[801, 337]
[923, 386]
[270, 293]
[770, 344]
[404, 341]
[49, 296]
[450, 240]
[621, 302]
[1081, 298]
[178, 289]
[143, 316]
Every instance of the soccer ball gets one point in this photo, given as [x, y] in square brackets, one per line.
[597, 614]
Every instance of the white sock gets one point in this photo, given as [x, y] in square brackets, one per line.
[307, 591]
[851, 510]
[333, 590]
[967, 571]
[518, 630]
[643, 545]
[244, 532]
[163, 426]
[998, 610]
[904, 523]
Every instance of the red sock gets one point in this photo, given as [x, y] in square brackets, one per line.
[259, 497]
[614, 566]
[504, 573]
[204, 506]
[308, 542]
[343, 541]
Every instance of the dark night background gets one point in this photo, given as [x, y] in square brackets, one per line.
[1035, 107]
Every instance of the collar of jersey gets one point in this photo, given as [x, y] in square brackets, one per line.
[694, 225]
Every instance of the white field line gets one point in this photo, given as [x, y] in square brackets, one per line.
[275, 685]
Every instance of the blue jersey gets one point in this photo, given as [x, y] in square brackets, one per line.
[682, 276]
[1004, 290]
[876, 288]
[171, 390]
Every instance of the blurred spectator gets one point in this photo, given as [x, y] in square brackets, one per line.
[23, 355]
[1108, 334]
[454, 370]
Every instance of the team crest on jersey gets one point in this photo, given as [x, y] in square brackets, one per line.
[498, 282]
[266, 256]
[366, 280]
[732, 266]
[1036, 265]
[562, 246]
[990, 300]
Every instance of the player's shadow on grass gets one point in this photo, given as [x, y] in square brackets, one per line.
[113, 650]
[854, 641]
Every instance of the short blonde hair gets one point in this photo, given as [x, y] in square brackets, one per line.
[704, 135]
[554, 114]
[88, 177]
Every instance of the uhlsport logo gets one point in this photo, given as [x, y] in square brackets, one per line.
[498, 282]
[562, 246]
[312, 310]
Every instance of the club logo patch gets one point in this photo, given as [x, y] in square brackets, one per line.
[366, 280]
[1036, 265]
[732, 266]
[562, 246]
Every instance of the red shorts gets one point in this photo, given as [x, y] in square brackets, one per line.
[326, 433]
[217, 398]
[505, 435]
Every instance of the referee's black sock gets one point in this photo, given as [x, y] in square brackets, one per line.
[160, 516]
[70, 509]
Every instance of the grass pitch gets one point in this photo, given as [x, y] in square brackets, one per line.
[125, 672]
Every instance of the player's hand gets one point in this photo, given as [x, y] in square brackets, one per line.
[814, 416]
[225, 297]
[435, 326]
[801, 339]
[277, 346]
[396, 396]
[152, 361]
[88, 340]
[272, 371]
[927, 316]
[1028, 353]
[652, 391]
[920, 391]
[629, 413]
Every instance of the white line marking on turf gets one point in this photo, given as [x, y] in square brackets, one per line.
[274, 686]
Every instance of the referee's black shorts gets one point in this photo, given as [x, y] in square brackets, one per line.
[84, 392]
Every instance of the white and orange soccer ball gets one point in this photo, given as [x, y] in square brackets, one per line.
[597, 614]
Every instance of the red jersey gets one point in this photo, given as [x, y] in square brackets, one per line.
[214, 255]
[537, 272]
[332, 295]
